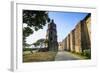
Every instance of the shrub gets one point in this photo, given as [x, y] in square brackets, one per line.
[87, 53]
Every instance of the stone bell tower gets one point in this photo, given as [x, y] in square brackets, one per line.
[52, 37]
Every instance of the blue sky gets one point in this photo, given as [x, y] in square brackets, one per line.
[65, 22]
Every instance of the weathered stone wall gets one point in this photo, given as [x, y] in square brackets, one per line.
[72, 41]
[88, 24]
[86, 35]
[64, 44]
[68, 41]
[88, 31]
[79, 39]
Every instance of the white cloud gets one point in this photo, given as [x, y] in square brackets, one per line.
[37, 35]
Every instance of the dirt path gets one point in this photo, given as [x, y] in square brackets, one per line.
[63, 55]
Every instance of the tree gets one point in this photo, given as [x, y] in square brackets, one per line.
[26, 32]
[36, 44]
[35, 20]
[46, 42]
[41, 42]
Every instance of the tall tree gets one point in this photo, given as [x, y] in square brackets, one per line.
[35, 20]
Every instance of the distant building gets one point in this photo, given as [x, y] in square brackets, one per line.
[60, 46]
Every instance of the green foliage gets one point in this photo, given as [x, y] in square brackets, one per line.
[46, 41]
[87, 53]
[27, 31]
[27, 49]
[39, 42]
[35, 20]
[36, 44]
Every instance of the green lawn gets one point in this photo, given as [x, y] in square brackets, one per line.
[38, 56]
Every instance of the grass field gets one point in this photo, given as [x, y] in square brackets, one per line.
[38, 56]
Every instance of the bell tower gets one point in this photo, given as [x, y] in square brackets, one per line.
[52, 36]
